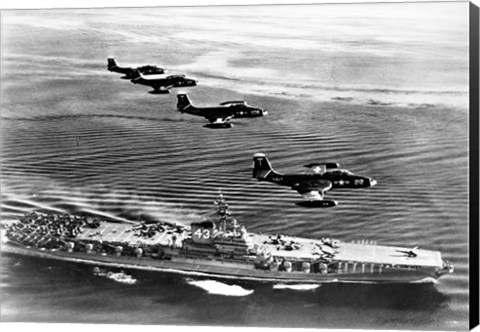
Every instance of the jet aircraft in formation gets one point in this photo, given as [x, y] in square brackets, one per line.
[153, 76]
[131, 73]
[312, 187]
[162, 83]
[219, 115]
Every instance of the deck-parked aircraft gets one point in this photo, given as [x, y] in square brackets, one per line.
[312, 187]
[410, 253]
[219, 115]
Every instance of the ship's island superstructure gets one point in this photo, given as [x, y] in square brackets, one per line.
[218, 247]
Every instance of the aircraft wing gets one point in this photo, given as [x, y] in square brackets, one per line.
[154, 77]
[313, 189]
[321, 168]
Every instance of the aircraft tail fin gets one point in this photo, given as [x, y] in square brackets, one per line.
[111, 63]
[261, 167]
[183, 102]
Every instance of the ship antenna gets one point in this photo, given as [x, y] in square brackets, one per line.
[222, 210]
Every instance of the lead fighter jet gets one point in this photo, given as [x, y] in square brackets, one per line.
[219, 115]
[312, 186]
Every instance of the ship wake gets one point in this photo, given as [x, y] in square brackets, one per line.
[427, 280]
[219, 288]
[299, 287]
[120, 277]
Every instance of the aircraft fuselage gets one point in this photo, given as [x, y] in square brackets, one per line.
[131, 73]
[338, 180]
[213, 113]
[165, 83]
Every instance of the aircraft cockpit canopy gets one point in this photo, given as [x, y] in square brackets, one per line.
[341, 171]
[176, 76]
[234, 103]
[149, 69]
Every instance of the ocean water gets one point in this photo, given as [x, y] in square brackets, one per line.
[380, 88]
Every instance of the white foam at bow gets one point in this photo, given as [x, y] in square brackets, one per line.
[216, 287]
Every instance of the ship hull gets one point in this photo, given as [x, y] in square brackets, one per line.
[223, 269]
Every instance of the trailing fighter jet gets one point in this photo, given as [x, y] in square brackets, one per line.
[311, 186]
[162, 83]
[132, 72]
[219, 115]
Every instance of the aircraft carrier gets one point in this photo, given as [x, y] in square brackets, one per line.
[217, 247]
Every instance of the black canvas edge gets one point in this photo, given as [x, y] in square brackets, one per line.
[474, 168]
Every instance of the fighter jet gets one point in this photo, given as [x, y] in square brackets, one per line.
[131, 73]
[312, 187]
[162, 83]
[219, 115]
